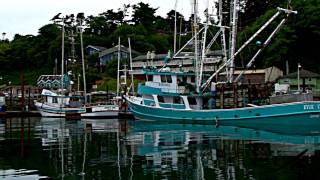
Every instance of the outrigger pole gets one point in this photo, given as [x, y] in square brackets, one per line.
[205, 85]
[260, 50]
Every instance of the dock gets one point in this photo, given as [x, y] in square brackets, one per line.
[9, 114]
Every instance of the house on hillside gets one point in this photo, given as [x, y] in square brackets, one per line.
[90, 49]
[307, 80]
[112, 53]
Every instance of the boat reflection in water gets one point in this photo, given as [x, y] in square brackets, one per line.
[119, 149]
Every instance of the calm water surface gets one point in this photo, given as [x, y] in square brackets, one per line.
[36, 148]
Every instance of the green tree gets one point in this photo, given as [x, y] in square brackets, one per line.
[143, 14]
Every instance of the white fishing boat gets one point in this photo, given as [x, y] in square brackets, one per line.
[55, 105]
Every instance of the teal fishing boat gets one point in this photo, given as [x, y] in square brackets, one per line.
[167, 101]
[194, 96]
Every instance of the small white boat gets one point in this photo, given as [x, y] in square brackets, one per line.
[59, 105]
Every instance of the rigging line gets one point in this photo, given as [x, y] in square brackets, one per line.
[216, 43]
[249, 51]
[289, 4]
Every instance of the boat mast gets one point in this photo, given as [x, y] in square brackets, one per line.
[175, 28]
[62, 53]
[232, 43]
[83, 65]
[223, 33]
[132, 83]
[118, 72]
[195, 29]
[203, 50]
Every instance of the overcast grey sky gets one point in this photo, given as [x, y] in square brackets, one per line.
[27, 16]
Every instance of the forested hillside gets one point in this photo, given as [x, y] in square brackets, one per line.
[34, 55]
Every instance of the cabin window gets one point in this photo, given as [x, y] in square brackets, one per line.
[184, 78]
[192, 101]
[193, 79]
[54, 100]
[169, 79]
[149, 77]
[166, 79]
[54, 133]
[163, 79]
[176, 100]
[161, 99]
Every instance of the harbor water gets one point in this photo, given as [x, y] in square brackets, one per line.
[55, 148]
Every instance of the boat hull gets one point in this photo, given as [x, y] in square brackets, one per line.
[81, 112]
[265, 114]
[105, 114]
[54, 111]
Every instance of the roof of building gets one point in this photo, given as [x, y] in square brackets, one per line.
[115, 49]
[144, 57]
[250, 71]
[303, 74]
[98, 48]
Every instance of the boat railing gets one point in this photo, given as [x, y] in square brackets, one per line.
[172, 105]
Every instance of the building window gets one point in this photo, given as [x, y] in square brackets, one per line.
[286, 81]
